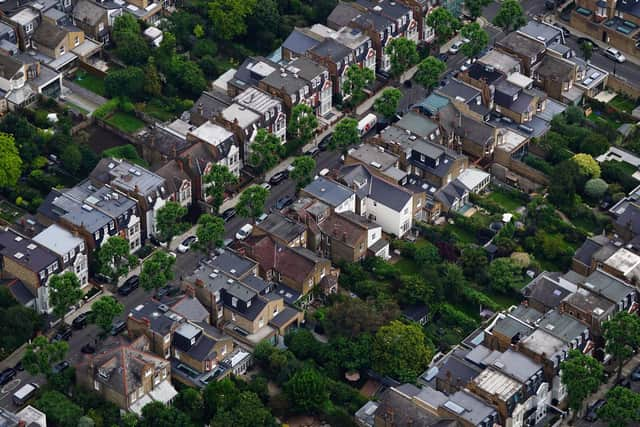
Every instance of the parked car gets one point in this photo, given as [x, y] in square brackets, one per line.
[81, 320]
[566, 32]
[25, 393]
[118, 326]
[165, 290]
[244, 232]
[183, 247]
[312, 152]
[325, 142]
[88, 349]
[592, 411]
[614, 55]
[443, 57]
[635, 374]
[62, 335]
[455, 48]
[266, 186]
[408, 84]
[228, 214]
[278, 177]
[467, 64]
[624, 382]
[129, 285]
[283, 202]
[261, 218]
[18, 366]
[59, 367]
[7, 375]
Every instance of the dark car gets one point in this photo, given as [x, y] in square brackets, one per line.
[18, 367]
[325, 142]
[88, 349]
[62, 335]
[635, 374]
[592, 411]
[118, 326]
[283, 202]
[59, 367]
[130, 285]
[165, 290]
[7, 375]
[81, 320]
[228, 214]
[443, 57]
[277, 178]
[312, 152]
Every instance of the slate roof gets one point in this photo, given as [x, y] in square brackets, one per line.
[174, 175]
[284, 317]
[477, 132]
[450, 193]
[24, 251]
[232, 263]
[458, 90]
[256, 283]
[282, 227]
[342, 14]
[299, 42]
[417, 124]
[9, 67]
[546, 291]
[328, 191]
[191, 309]
[562, 326]
[522, 44]
[203, 349]
[210, 104]
[88, 12]
[406, 413]
[591, 245]
[390, 195]
[340, 228]
[608, 286]
[20, 292]
[331, 49]
[555, 68]
[159, 321]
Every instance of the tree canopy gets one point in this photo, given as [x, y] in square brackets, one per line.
[403, 54]
[228, 17]
[429, 72]
[345, 134]
[59, 409]
[64, 292]
[264, 151]
[252, 202]
[622, 337]
[302, 125]
[587, 165]
[169, 221]
[114, 258]
[387, 103]
[42, 353]
[505, 275]
[478, 39]
[10, 161]
[216, 182]
[475, 7]
[622, 408]
[157, 270]
[303, 170]
[510, 16]
[582, 375]
[307, 390]
[104, 310]
[210, 232]
[444, 23]
[357, 79]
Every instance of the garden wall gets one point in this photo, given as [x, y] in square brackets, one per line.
[621, 85]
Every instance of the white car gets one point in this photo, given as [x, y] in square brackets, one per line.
[266, 186]
[467, 64]
[455, 48]
[615, 55]
[186, 244]
[261, 218]
[244, 232]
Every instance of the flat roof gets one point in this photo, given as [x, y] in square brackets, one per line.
[374, 155]
[58, 239]
[328, 191]
[497, 384]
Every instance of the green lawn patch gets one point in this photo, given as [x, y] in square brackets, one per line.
[125, 122]
[127, 152]
[604, 120]
[506, 200]
[90, 82]
[463, 235]
[623, 103]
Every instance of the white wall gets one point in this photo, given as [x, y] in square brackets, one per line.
[389, 219]
[373, 235]
[348, 205]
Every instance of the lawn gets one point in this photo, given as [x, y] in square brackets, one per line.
[628, 168]
[623, 103]
[9, 212]
[125, 122]
[91, 82]
[158, 112]
[602, 119]
[506, 200]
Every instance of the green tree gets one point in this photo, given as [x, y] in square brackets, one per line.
[228, 17]
[587, 51]
[478, 39]
[582, 375]
[357, 79]
[216, 182]
[157, 270]
[475, 6]
[114, 258]
[169, 221]
[41, 354]
[127, 82]
[429, 72]
[86, 421]
[622, 337]
[64, 292]
[403, 54]
[152, 82]
[564, 184]
[303, 169]
[307, 390]
[587, 165]
[61, 411]
[131, 47]
[210, 232]
[596, 188]
[444, 23]
[504, 275]
[10, 161]
[387, 103]
[403, 365]
[252, 201]
[264, 151]
[473, 261]
[248, 411]
[157, 414]
[345, 134]
[302, 125]
[104, 310]
[510, 16]
[622, 407]
[353, 317]
[454, 6]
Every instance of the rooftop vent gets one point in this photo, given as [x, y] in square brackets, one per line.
[19, 255]
[163, 308]
[213, 275]
[540, 38]
[376, 165]
[17, 239]
[31, 246]
[232, 271]
[230, 281]
[87, 208]
[111, 165]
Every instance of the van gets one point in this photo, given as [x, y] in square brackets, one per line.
[25, 393]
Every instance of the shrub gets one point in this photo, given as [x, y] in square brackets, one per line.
[595, 188]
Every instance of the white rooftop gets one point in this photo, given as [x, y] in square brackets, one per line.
[511, 140]
[520, 80]
[32, 416]
[497, 384]
[221, 82]
[238, 112]
[24, 16]
[623, 260]
[211, 133]
[507, 64]
[58, 240]
[472, 177]
[153, 33]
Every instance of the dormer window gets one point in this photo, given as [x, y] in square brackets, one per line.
[234, 301]
[248, 303]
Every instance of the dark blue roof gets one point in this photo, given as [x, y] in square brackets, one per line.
[298, 42]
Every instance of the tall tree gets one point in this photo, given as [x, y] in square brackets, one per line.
[114, 258]
[128, 82]
[71, 158]
[303, 169]
[357, 79]
[302, 125]
[152, 82]
[622, 337]
[504, 275]
[582, 375]
[190, 401]
[157, 414]
[589, 167]
[229, 17]
[170, 221]
[10, 161]
[105, 310]
[307, 390]
[587, 51]
[345, 134]
[130, 46]
[478, 39]
[42, 353]
[59, 409]
[429, 72]
[210, 232]
[216, 182]
[64, 291]
[264, 151]
[403, 54]
[387, 103]
[444, 23]
[248, 411]
[510, 16]
[475, 6]
[403, 365]
[157, 270]
[622, 408]
[252, 201]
